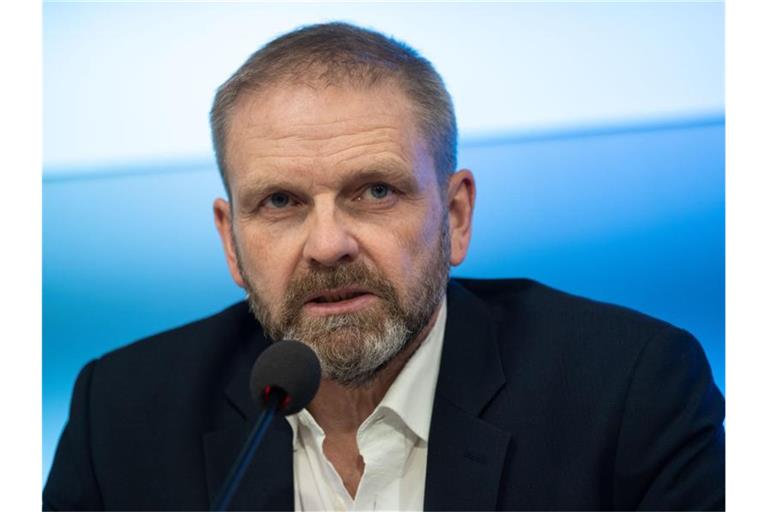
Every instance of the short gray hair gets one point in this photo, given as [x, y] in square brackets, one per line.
[333, 53]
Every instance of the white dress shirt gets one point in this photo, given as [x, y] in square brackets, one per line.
[392, 442]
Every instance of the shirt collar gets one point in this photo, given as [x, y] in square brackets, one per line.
[412, 393]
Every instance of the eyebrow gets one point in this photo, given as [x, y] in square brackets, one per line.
[257, 188]
[389, 171]
[385, 172]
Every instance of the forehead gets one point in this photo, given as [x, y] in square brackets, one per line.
[300, 129]
[289, 108]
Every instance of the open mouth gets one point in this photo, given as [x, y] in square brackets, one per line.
[339, 295]
[339, 301]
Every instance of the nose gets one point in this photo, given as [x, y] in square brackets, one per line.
[329, 241]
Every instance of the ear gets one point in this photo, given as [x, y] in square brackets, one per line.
[461, 204]
[222, 216]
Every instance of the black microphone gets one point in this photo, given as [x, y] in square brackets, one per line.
[284, 379]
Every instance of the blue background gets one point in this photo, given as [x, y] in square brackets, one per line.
[624, 205]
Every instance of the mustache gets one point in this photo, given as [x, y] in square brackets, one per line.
[355, 274]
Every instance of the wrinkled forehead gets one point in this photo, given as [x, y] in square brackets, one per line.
[293, 127]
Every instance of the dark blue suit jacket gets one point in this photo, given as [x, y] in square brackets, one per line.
[544, 401]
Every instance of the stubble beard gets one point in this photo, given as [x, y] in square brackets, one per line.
[354, 347]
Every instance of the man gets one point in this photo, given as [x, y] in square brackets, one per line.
[337, 147]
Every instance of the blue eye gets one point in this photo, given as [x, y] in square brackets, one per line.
[380, 191]
[278, 200]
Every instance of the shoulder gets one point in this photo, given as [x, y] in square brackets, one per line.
[632, 390]
[524, 306]
[575, 338]
[140, 407]
[223, 331]
[177, 362]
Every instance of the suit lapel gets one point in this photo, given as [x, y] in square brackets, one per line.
[268, 483]
[466, 455]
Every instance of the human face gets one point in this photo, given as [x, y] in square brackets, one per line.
[337, 228]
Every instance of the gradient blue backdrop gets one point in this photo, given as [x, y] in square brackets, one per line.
[626, 208]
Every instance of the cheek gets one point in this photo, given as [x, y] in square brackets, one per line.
[427, 248]
[405, 250]
[268, 261]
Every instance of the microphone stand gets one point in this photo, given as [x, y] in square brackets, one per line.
[273, 400]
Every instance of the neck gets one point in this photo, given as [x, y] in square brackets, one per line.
[340, 409]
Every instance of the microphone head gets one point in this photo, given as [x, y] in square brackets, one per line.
[290, 366]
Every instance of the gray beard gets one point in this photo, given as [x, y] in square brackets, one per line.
[352, 354]
[354, 347]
